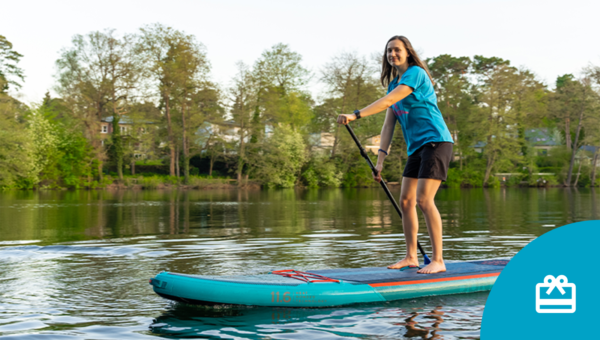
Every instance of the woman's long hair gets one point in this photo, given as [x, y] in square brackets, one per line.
[388, 72]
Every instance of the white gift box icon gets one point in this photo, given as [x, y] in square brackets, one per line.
[555, 295]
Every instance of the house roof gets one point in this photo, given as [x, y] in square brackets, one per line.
[124, 120]
[540, 137]
[535, 137]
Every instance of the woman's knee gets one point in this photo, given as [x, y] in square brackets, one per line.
[425, 203]
[407, 203]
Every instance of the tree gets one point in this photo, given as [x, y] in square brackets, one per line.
[16, 156]
[351, 85]
[192, 92]
[495, 116]
[242, 99]
[280, 163]
[278, 78]
[96, 77]
[8, 66]
[562, 109]
[584, 99]
[593, 72]
[157, 46]
[455, 99]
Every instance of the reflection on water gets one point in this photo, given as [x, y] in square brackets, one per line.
[448, 317]
[76, 264]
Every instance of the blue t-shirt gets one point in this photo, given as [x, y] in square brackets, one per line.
[418, 113]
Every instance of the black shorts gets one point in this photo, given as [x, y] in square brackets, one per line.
[429, 161]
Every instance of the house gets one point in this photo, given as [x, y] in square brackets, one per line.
[321, 141]
[106, 126]
[373, 144]
[125, 126]
[542, 140]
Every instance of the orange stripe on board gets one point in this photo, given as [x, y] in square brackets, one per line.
[401, 283]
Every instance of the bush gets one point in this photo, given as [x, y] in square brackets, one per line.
[515, 180]
[280, 161]
[493, 182]
[150, 182]
[321, 172]
[468, 177]
[198, 182]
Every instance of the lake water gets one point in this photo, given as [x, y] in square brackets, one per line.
[75, 265]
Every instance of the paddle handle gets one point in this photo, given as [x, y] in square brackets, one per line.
[364, 154]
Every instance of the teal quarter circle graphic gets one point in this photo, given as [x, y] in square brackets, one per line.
[550, 289]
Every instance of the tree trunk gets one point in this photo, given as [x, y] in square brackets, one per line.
[240, 155]
[170, 133]
[133, 166]
[117, 142]
[595, 160]
[99, 170]
[186, 151]
[212, 162]
[177, 161]
[578, 173]
[568, 132]
[488, 168]
[574, 150]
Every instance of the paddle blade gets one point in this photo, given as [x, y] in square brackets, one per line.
[427, 260]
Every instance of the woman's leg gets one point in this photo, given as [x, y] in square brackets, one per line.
[410, 222]
[426, 190]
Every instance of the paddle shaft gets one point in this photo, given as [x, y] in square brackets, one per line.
[363, 153]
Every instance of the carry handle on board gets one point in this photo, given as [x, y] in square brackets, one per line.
[363, 153]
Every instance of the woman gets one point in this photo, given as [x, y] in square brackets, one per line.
[411, 100]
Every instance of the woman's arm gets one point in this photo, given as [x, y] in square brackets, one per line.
[390, 99]
[387, 132]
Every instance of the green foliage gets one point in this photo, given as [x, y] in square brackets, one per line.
[16, 148]
[8, 66]
[61, 155]
[281, 160]
[151, 182]
[484, 100]
[468, 177]
[493, 182]
[515, 180]
[320, 171]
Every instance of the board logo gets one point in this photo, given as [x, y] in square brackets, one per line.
[555, 295]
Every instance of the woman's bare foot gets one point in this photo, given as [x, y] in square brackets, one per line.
[407, 261]
[433, 267]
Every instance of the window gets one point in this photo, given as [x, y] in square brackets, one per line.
[104, 128]
[123, 129]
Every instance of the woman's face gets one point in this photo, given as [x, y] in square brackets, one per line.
[396, 53]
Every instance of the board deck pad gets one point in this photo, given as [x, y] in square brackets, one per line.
[383, 275]
[356, 285]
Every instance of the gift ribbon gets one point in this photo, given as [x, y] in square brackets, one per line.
[555, 282]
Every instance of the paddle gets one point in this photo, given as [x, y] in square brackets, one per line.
[363, 153]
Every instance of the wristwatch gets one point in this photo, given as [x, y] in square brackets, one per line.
[357, 114]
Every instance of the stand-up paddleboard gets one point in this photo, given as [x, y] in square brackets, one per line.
[327, 288]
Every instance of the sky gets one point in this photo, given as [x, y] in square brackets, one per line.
[550, 38]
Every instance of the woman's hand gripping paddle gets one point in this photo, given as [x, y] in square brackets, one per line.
[363, 153]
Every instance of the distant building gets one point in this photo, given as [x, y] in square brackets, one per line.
[322, 141]
[373, 144]
[541, 139]
[125, 126]
[106, 126]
